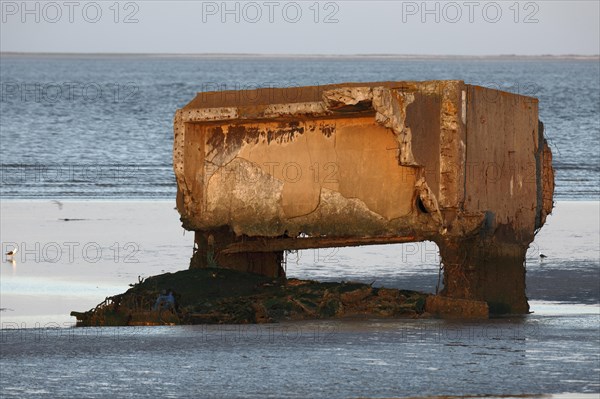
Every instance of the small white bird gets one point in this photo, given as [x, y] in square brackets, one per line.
[542, 256]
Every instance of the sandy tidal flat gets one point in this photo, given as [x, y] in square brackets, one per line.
[74, 254]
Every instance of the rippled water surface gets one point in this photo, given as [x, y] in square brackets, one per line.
[552, 352]
[101, 127]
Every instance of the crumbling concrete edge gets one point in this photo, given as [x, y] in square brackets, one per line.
[389, 105]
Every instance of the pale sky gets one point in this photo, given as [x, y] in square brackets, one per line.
[302, 27]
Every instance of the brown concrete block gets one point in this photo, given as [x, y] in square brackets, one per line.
[446, 307]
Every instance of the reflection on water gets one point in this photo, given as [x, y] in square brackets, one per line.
[536, 354]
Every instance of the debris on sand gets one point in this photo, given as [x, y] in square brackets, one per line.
[223, 296]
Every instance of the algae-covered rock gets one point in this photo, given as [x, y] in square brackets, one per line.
[208, 296]
[355, 296]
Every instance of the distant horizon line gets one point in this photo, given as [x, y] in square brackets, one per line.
[311, 55]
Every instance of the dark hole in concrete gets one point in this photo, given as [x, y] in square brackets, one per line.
[421, 206]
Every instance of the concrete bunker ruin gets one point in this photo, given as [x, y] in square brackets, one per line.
[263, 171]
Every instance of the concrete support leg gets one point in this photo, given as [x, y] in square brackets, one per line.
[486, 270]
[210, 243]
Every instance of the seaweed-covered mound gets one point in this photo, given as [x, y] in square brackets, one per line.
[229, 296]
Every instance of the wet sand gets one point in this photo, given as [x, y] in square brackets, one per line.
[74, 254]
[72, 258]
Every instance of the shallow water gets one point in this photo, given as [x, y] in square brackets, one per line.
[102, 127]
[554, 350]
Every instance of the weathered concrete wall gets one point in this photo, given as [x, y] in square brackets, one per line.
[266, 170]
